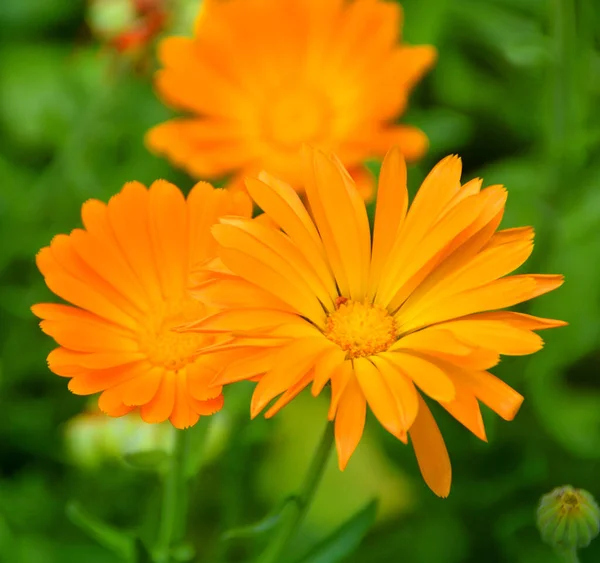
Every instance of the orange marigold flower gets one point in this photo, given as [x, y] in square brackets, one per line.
[126, 275]
[264, 76]
[411, 310]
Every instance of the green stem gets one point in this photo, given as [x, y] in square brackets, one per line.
[174, 507]
[570, 556]
[295, 512]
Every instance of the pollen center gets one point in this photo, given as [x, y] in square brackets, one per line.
[297, 117]
[167, 348]
[361, 329]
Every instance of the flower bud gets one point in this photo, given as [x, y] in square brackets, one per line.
[568, 518]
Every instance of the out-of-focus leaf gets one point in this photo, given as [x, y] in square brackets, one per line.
[114, 540]
[17, 16]
[264, 525]
[568, 409]
[345, 539]
[183, 552]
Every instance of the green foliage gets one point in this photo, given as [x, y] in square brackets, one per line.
[515, 93]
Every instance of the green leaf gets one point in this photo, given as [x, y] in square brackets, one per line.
[267, 523]
[345, 539]
[109, 537]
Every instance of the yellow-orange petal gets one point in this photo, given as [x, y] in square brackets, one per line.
[379, 396]
[426, 375]
[431, 451]
[160, 407]
[390, 212]
[349, 421]
[491, 391]
[325, 366]
[495, 335]
[291, 364]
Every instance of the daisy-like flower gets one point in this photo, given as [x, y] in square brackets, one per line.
[261, 77]
[126, 274]
[409, 311]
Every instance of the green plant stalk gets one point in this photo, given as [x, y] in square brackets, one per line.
[294, 512]
[570, 555]
[174, 505]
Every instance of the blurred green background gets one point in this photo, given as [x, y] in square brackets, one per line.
[515, 93]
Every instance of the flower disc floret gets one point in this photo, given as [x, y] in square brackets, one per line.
[361, 329]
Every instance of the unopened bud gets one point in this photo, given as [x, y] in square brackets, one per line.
[568, 518]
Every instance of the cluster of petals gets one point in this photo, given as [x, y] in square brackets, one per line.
[387, 318]
[261, 77]
[124, 276]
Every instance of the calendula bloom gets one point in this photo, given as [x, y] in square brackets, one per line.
[126, 275]
[261, 77]
[412, 310]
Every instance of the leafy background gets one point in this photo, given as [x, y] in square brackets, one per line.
[515, 92]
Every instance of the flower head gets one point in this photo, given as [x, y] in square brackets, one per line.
[126, 275]
[409, 310]
[261, 77]
[568, 518]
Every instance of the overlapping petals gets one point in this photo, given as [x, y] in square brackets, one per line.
[389, 318]
[261, 77]
[125, 276]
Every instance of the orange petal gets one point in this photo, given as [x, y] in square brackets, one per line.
[491, 391]
[340, 377]
[349, 421]
[237, 293]
[434, 339]
[110, 403]
[402, 389]
[251, 363]
[283, 246]
[465, 408]
[390, 212]
[183, 414]
[427, 375]
[281, 203]
[200, 378]
[342, 220]
[290, 394]
[86, 336]
[87, 290]
[200, 147]
[128, 215]
[161, 406]
[290, 365]
[259, 271]
[325, 366]
[498, 336]
[431, 451]
[378, 395]
[205, 205]
[518, 320]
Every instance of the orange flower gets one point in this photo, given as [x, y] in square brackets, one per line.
[264, 76]
[126, 275]
[412, 310]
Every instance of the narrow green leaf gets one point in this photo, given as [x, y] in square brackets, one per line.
[109, 537]
[345, 539]
[267, 523]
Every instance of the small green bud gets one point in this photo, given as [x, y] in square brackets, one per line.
[568, 518]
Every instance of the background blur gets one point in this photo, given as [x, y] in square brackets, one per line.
[515, 93]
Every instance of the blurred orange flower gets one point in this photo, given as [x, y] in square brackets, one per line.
[415, 304]
[261, 77]
[126, 275]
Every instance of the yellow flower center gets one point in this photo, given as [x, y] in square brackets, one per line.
[361, 329]
[297, 117]
[169, 349]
